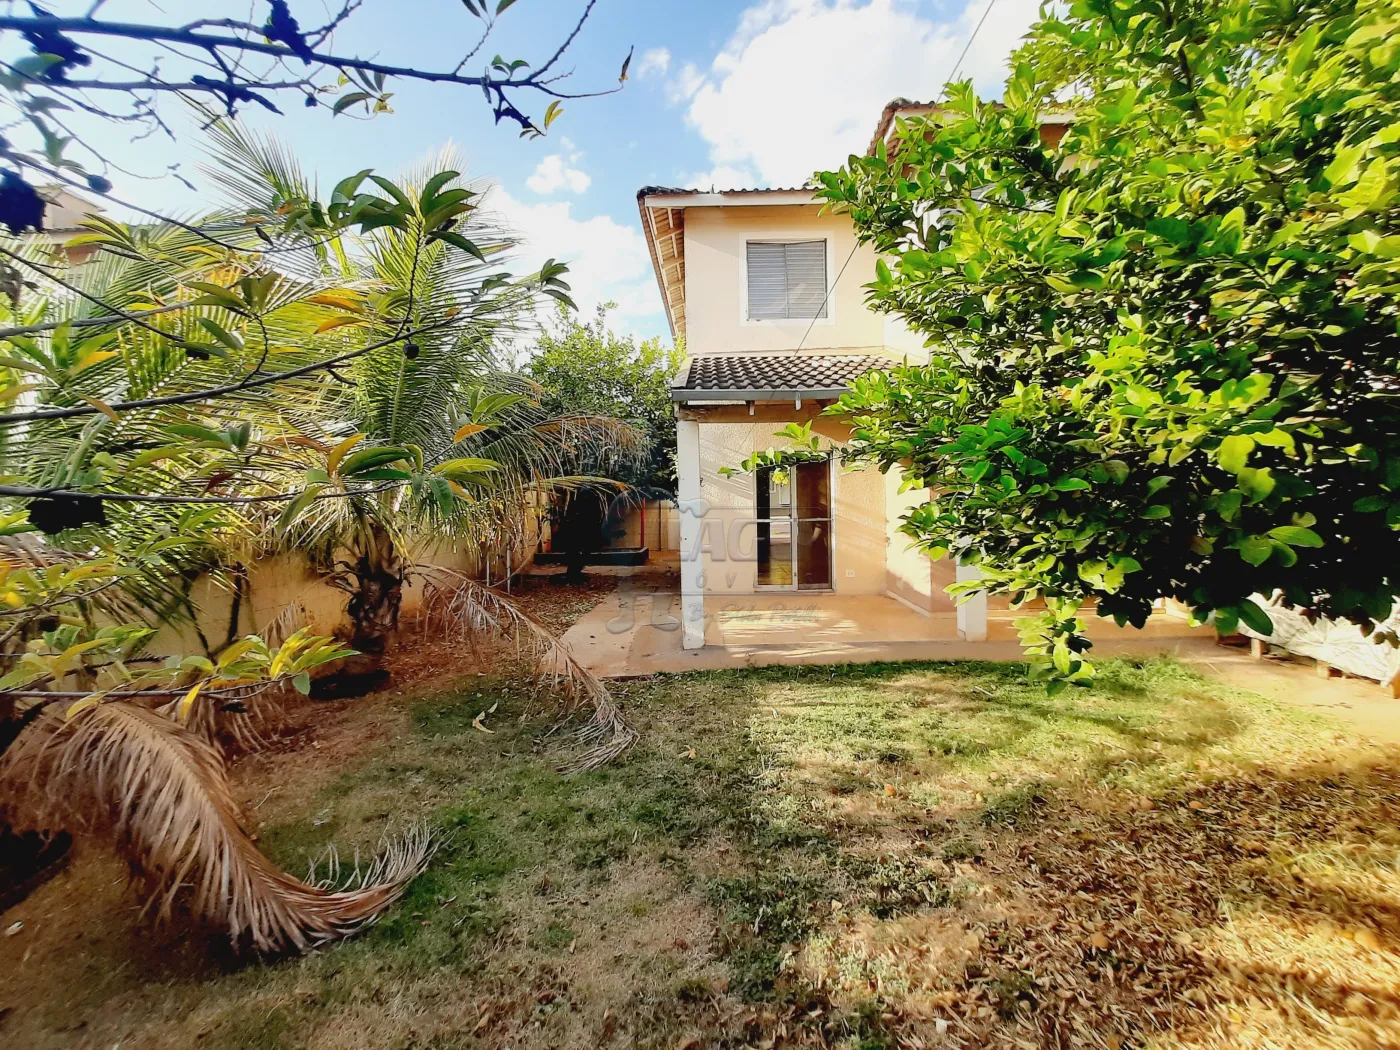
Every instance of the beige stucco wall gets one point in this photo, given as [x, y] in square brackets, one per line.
[288, 584]
[728, 534]
[716, 274]
[655, 525]
[902, 343]
[910, 573]
[868, 506]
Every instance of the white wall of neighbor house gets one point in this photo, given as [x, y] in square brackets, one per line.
[654, 525]
[716, 272]
[902, 343]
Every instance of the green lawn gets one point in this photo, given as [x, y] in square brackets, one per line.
[911, 855]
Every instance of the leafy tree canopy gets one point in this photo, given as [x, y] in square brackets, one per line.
[584, 368]
[1164, 348]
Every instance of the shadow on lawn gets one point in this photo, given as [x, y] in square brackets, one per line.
[1200, 881]
[1267, 916]
[897, 856]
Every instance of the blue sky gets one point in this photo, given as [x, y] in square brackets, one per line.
[721, 93]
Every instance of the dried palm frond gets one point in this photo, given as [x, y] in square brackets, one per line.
[162, 793]
[238, 713]
[455, 604]
[292, 618]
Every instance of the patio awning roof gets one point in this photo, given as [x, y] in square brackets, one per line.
[772, 377]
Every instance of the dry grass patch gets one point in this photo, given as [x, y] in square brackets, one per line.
[889, 856]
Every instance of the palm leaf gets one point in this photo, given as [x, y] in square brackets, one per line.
[455, 604]
[162, 794]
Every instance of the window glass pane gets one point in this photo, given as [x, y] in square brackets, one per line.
[814, 554]
[774, 554]
[774, 493]
[814, 489]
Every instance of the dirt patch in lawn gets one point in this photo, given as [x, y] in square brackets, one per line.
[878, 856]
[560, 605]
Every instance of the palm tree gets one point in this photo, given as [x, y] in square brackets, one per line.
[438, 412]
[210, 380]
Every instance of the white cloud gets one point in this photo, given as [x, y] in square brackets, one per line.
[684, 84]
[655, 60]
[722, 177]
[801, 83]
[555, 172]
[608, 261]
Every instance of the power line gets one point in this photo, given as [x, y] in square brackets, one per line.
[956, 66]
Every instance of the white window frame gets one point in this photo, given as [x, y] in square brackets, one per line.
[795, 587]
[781, 236]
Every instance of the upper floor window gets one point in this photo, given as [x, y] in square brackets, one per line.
[787, 280]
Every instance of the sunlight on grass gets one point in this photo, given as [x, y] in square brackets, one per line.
[900, 856]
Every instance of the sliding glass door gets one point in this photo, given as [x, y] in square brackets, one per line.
[794, 526]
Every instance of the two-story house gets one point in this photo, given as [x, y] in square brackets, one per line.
[766, 292]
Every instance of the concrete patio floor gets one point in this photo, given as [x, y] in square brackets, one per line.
[637, 631]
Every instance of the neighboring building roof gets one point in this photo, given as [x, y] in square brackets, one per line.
[65, 210]
[894, 108]
[748, 377]
[904, 107]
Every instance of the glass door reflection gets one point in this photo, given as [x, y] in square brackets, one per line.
[793, 511]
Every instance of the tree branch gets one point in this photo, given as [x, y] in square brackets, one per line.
[132, 318]
[88, 322]
[209, 393]
[213, 43]
[25, 492]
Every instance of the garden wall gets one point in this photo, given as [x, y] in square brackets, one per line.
[288, 589]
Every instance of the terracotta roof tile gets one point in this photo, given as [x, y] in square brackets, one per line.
[775, 374]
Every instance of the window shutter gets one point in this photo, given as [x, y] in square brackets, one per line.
[767, 281]
[787, 280]
[806, 279]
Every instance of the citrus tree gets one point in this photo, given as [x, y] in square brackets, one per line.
[1163, 349]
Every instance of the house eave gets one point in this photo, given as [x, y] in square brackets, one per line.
[649, 232]
[828, 393]
[726, 198]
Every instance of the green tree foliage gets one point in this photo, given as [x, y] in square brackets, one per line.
[317, 375]
[1164, 349]
[586, 369]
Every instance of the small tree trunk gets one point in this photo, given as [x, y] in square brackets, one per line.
[373, 610]
[374, 604]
